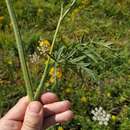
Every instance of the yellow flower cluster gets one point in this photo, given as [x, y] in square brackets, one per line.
[44, 47]
[52, 74]
[44, 43]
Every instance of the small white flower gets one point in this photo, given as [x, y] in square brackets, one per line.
[100, 109]
[93, 112]
[34, 58]
[94, 118]
[105, 123]
[100, 123]
[43, 50]
[96, 109]
[100, 115]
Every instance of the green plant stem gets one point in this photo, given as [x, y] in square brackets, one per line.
[68, 10]
[62, 16]
[40, 87]
[21, 52]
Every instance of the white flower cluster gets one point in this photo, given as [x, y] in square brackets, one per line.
[100, 115]
[43, 49]
[34, 58]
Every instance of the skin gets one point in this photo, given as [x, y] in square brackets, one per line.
[37, 115]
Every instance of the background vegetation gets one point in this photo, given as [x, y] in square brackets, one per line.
[93, 53]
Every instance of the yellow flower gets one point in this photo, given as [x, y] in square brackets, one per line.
[60, 128]
[58, 73]
[52, 79]
[45, 43]
[83, 99]
[52, 71]
[1, 18]
[113, 118]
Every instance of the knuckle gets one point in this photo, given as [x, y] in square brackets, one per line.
[30, 126]
[31, 123]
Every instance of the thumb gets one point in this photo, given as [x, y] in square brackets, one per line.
[33, 117]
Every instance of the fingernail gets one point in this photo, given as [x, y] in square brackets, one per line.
[35, 107]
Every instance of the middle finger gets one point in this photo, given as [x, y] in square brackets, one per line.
[55, 108]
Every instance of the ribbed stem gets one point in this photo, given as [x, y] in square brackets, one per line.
[20, 50]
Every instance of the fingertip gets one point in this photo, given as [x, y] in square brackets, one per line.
[69, 115]
[67, 104]
[49, 97]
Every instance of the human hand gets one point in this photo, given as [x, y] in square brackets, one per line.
[36, 115]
